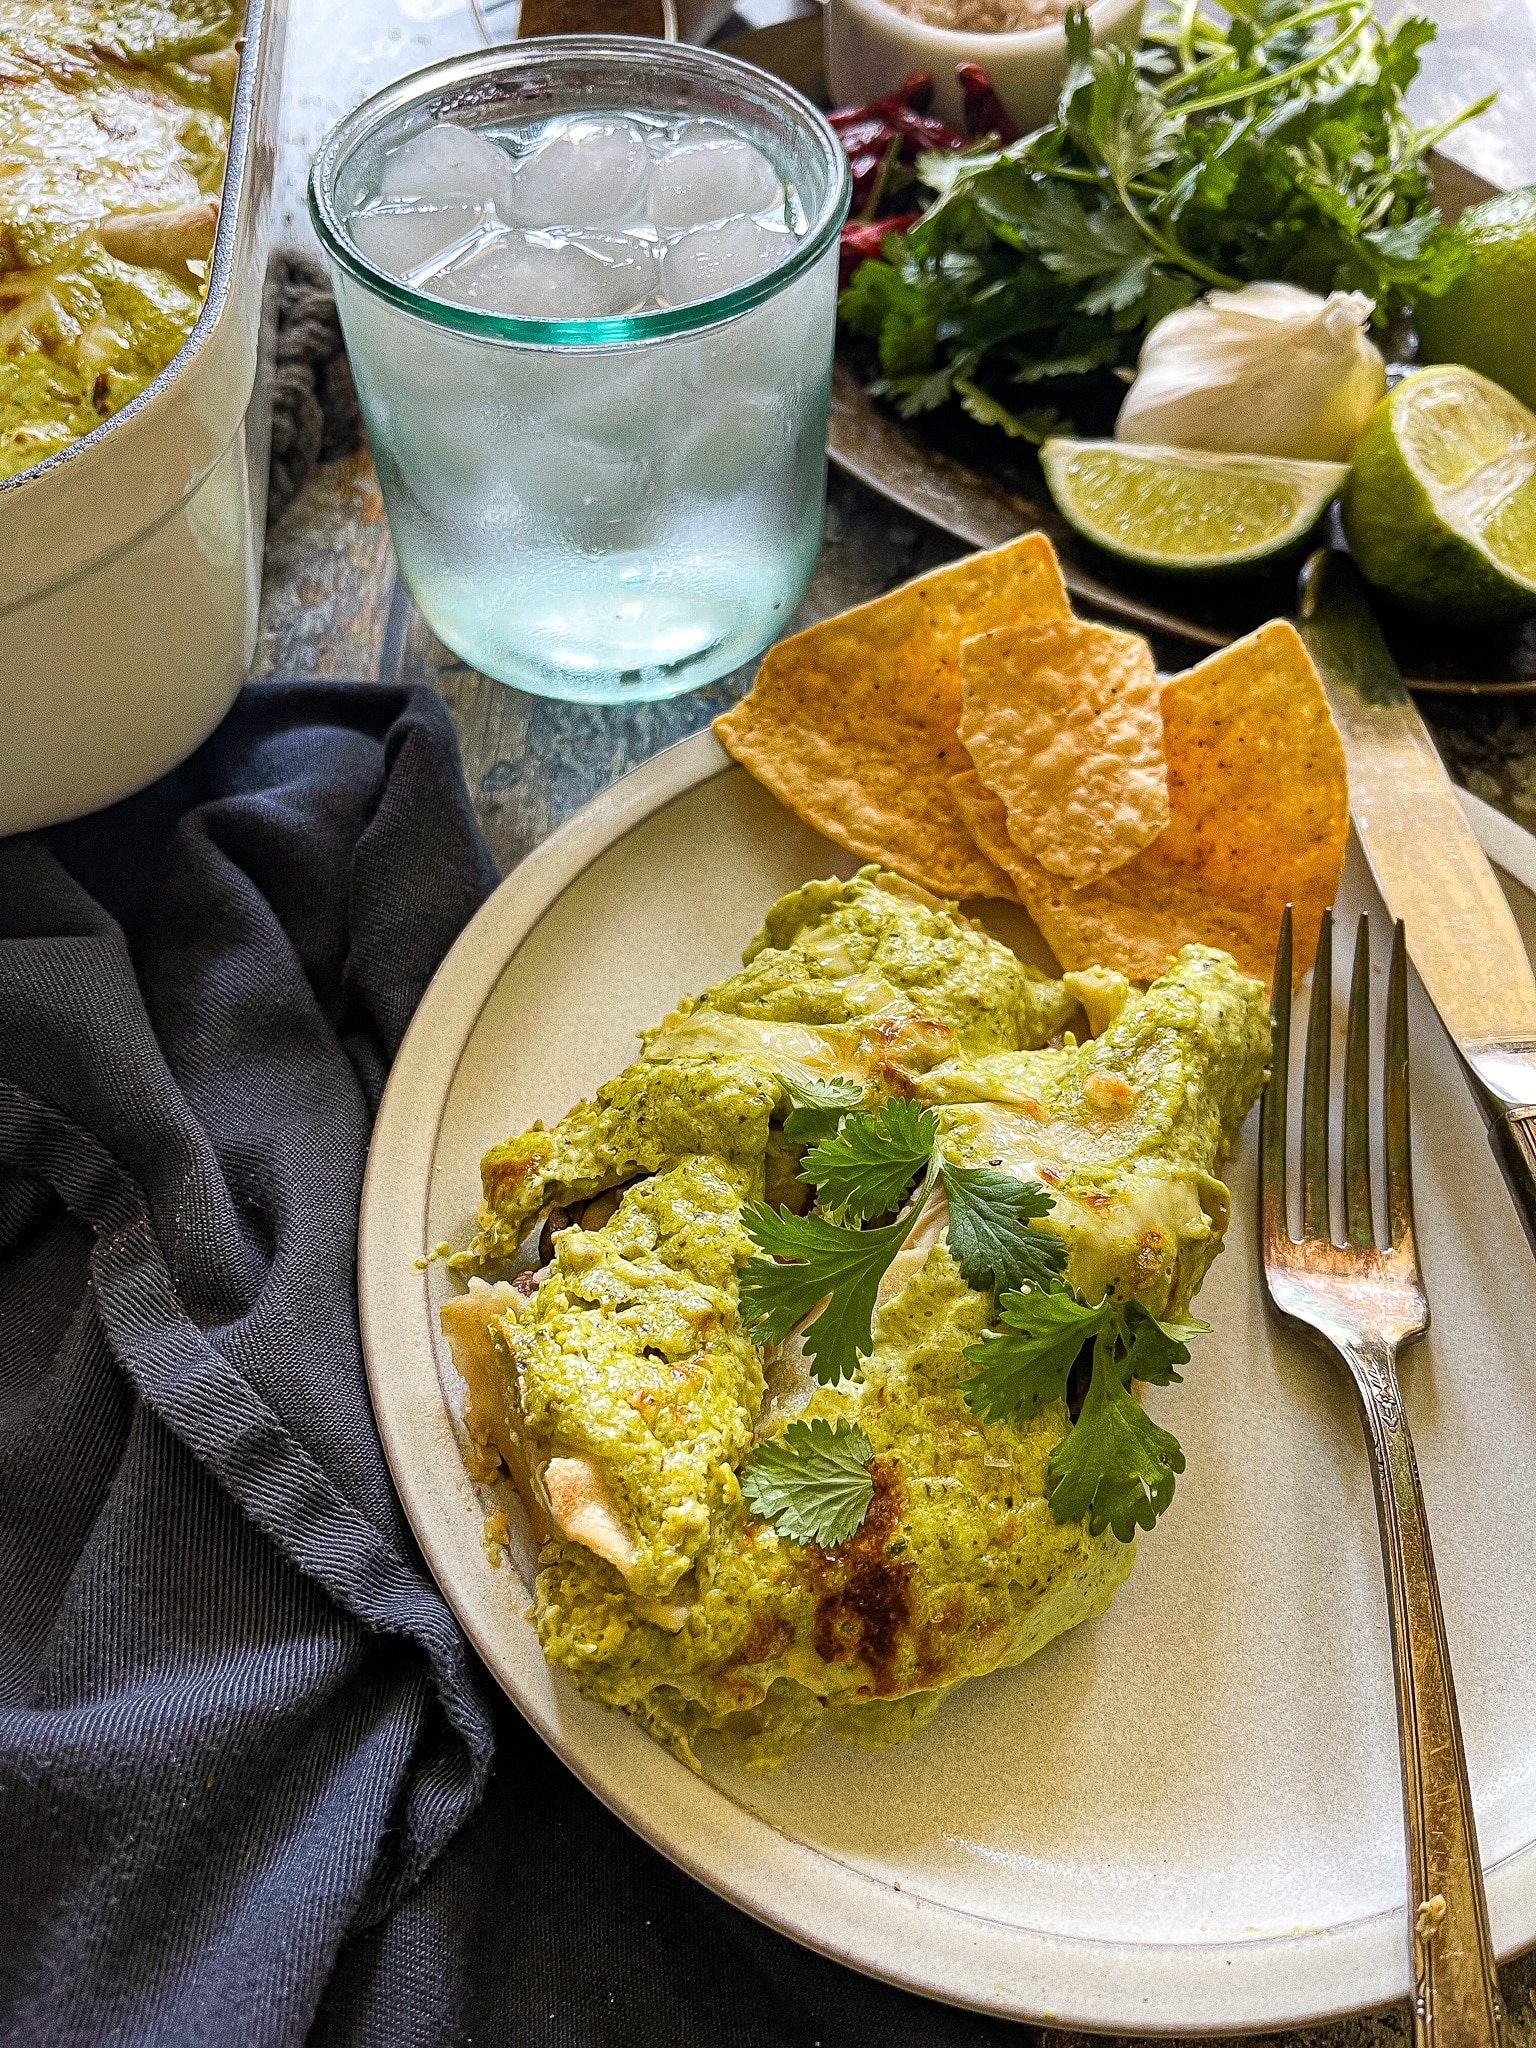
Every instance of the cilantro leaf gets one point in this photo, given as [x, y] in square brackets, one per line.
[813, 1482]
[989, 1237]
[1079, 79]
[920, 391]
[1034, 426]
[1131, 129]
[1024, 1366]
[817, 1107]
[843, 1266]
[867, 1166]
[1117, 1467]
[1077, 244]
[1154, 1347]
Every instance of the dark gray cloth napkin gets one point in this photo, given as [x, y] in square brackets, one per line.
[244, 1749]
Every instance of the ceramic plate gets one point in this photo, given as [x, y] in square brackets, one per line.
[1183, 1816]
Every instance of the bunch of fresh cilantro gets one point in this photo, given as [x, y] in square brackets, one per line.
[822, 1272]
[1269, 142]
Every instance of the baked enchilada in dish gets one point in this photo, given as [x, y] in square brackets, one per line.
[114, 125]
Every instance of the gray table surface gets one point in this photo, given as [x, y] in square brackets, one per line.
[332, 605]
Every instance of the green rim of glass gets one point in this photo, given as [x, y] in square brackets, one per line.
[461, 82]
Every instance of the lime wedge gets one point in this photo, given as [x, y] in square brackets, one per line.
[1185, 509]
[1440, 508]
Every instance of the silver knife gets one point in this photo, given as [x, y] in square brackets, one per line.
[1424, 855]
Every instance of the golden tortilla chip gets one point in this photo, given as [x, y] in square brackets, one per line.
[1259, 805]
[1063, 721]
[852, 723]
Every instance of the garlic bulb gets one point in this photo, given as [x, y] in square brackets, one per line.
[1268, 370]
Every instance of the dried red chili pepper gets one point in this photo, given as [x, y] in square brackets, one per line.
[867, 133]
[862, 239]
[985, 113]
[925, 131]
[915, 91]
[866, 169]
[904, 112]
[864, 130]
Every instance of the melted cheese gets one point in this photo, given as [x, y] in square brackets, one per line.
[803, 1052]
[1181, 1209]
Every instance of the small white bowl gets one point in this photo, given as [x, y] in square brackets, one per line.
[871, 47]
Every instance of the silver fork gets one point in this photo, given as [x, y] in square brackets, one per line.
[1362, 1303]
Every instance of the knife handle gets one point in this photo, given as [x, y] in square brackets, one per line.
[1514, 1143]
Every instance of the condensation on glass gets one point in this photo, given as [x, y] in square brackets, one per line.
[611, 508]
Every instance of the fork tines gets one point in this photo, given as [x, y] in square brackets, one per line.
[1359, 1218]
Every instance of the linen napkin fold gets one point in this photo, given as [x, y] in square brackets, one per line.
[237, 1720]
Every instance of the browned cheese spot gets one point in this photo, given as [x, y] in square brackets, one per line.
[769, 1636]
[863, 1597]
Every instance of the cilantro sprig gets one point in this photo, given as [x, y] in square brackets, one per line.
[869, 1163]
[989, 1238]
[1271, 139]
[813, 1482]
[830, 1262]
[1116, 1465]
[818, 1107]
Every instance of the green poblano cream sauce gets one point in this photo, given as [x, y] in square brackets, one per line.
[627, 1379]
[114, 124]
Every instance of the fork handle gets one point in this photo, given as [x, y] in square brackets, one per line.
[1514, 1143]
[1456, 2001]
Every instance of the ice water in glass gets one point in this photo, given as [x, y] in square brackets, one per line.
[613, 519]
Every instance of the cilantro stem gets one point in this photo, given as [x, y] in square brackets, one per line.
[1137, 185]
[1427, 138]
[1188, 16]
[871, 208]
[1222, 52]
[1269, 82]
[1174, 251]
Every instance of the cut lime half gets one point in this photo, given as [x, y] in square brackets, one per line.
[1186, 509]
[1440, 509]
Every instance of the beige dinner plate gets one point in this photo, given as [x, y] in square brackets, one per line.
[1183, 1816]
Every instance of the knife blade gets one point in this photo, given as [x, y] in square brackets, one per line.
[1427, 863]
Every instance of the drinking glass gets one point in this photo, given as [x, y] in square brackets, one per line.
[606, 510]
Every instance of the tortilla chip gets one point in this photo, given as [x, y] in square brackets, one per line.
[1063, 721]
[1259, 805]
[852, 723]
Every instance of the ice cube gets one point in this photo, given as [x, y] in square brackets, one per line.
[709, 174]
[728, 447]
[400, 238]
[778, 346]
[710, 260]
[552, 277]
[596, 174]
[580, 482]
[630, 399]
[446, 165]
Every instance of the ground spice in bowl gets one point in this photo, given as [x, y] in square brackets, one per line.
[986, 17]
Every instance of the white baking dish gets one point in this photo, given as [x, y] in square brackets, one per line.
[130, 562]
